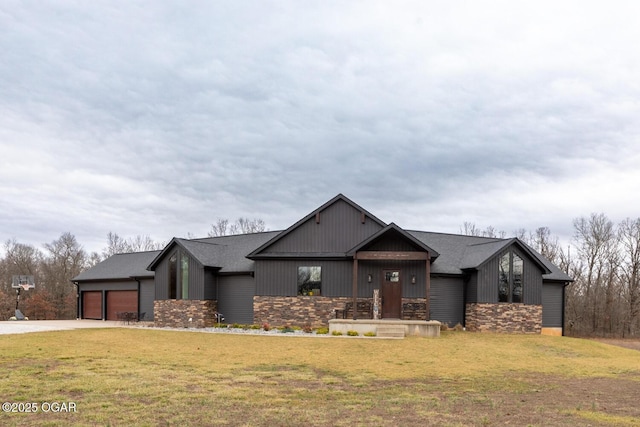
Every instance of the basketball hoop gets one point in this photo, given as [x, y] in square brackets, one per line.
[26, 286]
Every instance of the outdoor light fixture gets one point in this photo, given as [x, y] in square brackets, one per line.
[413, 279]
[369, 278]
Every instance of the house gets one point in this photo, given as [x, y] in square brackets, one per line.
[331, 260]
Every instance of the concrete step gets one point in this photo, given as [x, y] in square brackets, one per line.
[390, 331]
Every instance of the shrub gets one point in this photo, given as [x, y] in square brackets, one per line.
[458, 327]
[236, 325]
[307, 328]
[266, 326]
[369, 334]
[444, 327]
[336, 333]
[353, 333]
[256, 327]
[322, 331]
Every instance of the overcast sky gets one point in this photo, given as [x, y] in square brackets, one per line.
[157, 118]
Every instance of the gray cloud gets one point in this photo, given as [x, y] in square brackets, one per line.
[146, 118]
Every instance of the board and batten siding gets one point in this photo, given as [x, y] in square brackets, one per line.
[447, 300]
[196, 278]
[340, 229]
[552, 305]
[486, 290]
[280, 277]
[146, 296]
[235, 298]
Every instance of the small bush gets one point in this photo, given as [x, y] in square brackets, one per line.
[256, 327]
[336, 333]
[307, 328]
[266, 326]
[236, 326]
[369, 334]
[458, 327]
[353, 333]
[322, 331]
[444, 327]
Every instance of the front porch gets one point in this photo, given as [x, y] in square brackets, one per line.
[419, 328]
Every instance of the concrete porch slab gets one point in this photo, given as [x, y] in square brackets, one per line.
[420, 328]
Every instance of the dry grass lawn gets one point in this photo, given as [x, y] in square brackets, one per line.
[158, 377]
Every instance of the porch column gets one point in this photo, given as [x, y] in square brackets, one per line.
[355, 286]
[428, 286]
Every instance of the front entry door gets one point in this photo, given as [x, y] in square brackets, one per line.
[391, 294]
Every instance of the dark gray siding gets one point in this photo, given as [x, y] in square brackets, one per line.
[280, 277]
[196, 280]
[447, 300]
[116, 285]
[487, 285]
[339, 230]
[146, 295]
[210, 280]
[552, 305]
[162, 279]
[472, 287]
[235, 298]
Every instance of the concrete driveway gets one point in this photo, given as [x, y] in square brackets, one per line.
[24, 326]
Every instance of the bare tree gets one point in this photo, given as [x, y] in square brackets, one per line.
[65, 259]
[241, 226]
[629, 235]
[119, 245]
[596, 242]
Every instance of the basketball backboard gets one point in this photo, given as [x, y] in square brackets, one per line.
[23, 282]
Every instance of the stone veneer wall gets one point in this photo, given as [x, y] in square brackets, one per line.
[296, 311]
[175, 313]
[418, 314]
[504, 317]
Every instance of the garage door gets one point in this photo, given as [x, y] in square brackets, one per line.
[118, 301]
[92, 305]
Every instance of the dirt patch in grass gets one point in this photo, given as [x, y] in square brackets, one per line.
[633, 344]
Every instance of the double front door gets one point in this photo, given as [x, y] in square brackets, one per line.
[391, 293]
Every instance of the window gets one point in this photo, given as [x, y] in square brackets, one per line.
[309, 280]
[511, 267]
[184, 268]
[178, 276]
[173, 271]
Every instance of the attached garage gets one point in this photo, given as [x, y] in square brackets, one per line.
[119, 301]
[92, 305]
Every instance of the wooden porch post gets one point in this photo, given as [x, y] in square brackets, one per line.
[355, 286]
[428, 285]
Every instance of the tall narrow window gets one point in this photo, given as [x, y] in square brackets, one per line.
[510, 278]
[172, 273]
[184, 269]
[503, 285]
[516, 295]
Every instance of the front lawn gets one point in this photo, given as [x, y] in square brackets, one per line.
[159, 377]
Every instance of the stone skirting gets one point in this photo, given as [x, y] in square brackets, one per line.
[414, 309]
[504, 317]
[296, 311]
[184, 313]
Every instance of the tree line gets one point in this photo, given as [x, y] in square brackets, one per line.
[603, 259]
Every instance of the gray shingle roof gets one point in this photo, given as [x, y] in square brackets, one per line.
[120, 266]
[229, 253]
